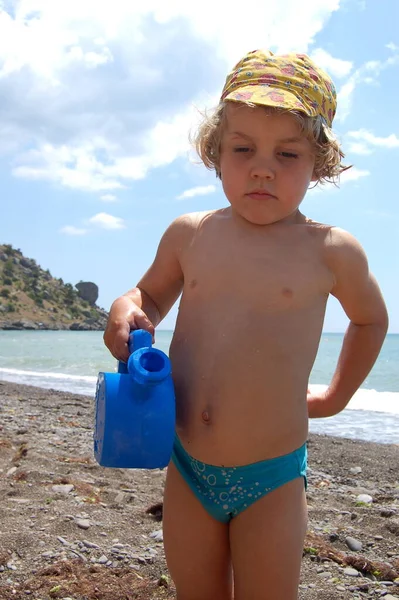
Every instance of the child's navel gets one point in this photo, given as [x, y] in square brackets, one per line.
[205, 416]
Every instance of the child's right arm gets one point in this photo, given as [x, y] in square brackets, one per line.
[146, 305]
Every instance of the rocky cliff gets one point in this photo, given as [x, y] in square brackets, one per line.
[31, 298]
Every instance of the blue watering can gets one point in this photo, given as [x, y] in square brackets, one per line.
[135, 409]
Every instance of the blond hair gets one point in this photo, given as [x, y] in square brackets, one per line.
[328, 161]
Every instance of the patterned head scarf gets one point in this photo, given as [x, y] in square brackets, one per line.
[290, 81]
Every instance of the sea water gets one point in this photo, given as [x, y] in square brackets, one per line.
[70, 361]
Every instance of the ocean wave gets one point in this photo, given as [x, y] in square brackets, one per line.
[372, 415]
[47, 375]
[364, 399]
[64, 382]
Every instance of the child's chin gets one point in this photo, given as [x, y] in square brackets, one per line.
[260, 219]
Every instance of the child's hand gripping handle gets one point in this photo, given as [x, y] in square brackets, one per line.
[137, 339]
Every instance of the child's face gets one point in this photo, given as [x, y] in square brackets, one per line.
[266, 164]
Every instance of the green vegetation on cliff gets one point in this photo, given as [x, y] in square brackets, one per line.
[30, 298]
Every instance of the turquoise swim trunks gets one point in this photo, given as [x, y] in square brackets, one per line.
[226, 491]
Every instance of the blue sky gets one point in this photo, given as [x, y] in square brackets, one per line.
[97, 100]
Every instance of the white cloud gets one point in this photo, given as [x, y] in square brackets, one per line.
[367, 73]
[73, 166]
[353, 174]
[108, 198]
[345, 98]
[197, 191]
[365, 141]
[97, 95]
[392, 46]
[359, 148]
[106, 221]
[335, 67]
[71, 230]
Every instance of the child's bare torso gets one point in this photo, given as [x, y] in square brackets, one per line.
[247, 333]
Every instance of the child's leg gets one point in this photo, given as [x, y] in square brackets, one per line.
[266, 543]
[196, 545]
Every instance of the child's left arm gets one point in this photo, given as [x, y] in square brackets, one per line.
[359, 294]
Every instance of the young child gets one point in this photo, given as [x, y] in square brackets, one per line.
[254, 278]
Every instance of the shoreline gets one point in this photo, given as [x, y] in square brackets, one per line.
[362, 424]
[11, 388]
[63, 518]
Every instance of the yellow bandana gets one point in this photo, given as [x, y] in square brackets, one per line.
[290, 81]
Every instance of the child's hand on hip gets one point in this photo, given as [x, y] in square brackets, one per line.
[317, 404]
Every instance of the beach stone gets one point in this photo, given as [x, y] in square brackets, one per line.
[102, 560]
[390, 597]
[83, 523]
[355, 470]
[11, 471]
[62, 540]
[90, 544]
[157, 535]
[63, 489]
[353, 544]
[366, 498]
[351, 572]
[119, 498]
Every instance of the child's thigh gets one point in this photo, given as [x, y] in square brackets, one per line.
[196, 545]
[266, 543]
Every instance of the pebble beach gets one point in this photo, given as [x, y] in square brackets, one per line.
[70, 529]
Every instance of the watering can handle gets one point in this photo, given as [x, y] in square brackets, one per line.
[139, 338]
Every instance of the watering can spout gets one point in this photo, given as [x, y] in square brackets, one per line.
[137, 339]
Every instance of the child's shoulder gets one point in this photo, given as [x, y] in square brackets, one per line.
[344, 255]
[342, 241]
[335, 237]
[192, 220]
[340, 247]
[181, 231]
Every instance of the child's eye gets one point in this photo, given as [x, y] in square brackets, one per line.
[289, 155]
[242, 149]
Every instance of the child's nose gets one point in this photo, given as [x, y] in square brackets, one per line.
[263, 169]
